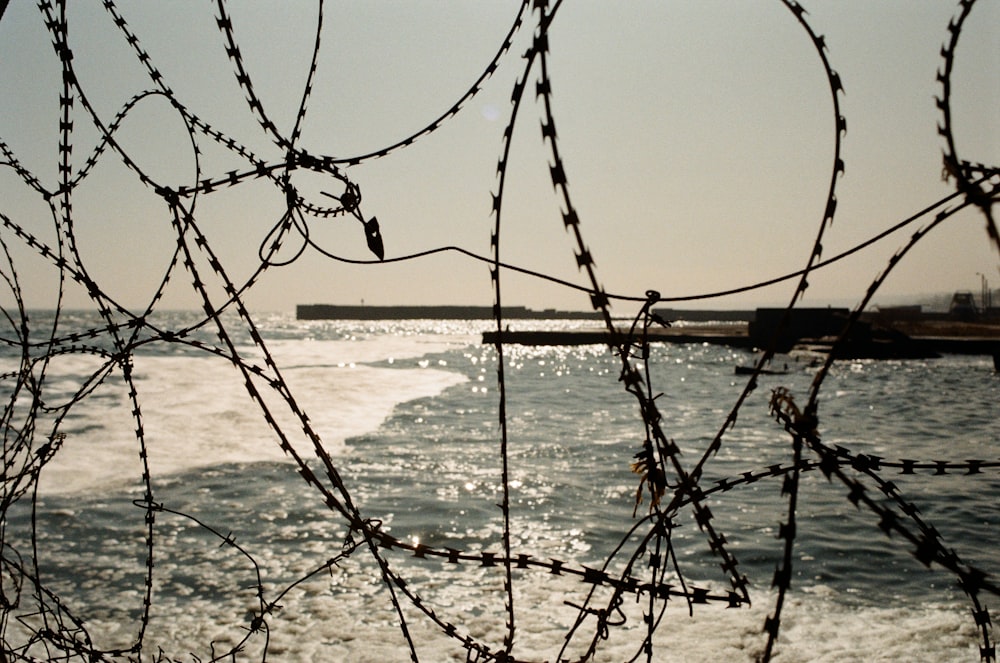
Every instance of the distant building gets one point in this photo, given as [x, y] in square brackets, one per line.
[766, 327]
[963, 306]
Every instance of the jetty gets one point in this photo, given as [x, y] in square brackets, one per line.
[362, 312]
[732, 334]
[874, 336]
[421, 312]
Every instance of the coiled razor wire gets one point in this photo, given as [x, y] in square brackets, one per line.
[33, 434]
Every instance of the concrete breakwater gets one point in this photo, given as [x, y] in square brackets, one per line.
[813, 330]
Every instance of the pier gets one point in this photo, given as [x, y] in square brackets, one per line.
[731, 334]
[805, 330]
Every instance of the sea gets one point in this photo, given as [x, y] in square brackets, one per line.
[409, 414]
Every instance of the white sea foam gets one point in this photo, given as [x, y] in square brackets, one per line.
[342, 620]
[196, 411]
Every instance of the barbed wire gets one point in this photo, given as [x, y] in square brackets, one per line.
[35, 624]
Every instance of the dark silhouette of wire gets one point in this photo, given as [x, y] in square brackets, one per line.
[633, 298]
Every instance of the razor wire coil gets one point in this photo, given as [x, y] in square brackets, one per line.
[666, 485]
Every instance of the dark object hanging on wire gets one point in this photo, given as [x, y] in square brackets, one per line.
[374, 236]
[350, 202]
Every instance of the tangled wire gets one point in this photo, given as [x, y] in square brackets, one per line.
[35, 624]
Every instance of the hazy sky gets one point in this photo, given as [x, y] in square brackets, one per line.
[697, 137]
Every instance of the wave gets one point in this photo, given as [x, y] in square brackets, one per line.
[195, 411]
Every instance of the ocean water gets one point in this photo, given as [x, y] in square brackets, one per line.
[408, 413]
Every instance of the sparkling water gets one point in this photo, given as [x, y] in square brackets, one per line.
[408, 412]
